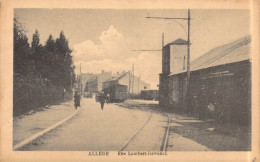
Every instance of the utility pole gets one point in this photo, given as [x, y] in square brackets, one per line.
[162, 40]
[133, 78]
[80, 81]
[71, 91]
[138, 85]
[188, 65]
[188, 50]
[129, 88]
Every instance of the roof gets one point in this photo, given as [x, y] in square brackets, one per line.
[235, 51]
[178, 42]
[117, 78]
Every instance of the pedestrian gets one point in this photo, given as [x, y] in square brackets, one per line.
[76, 100]
[210, 111]
[102, 99]
[107, 98]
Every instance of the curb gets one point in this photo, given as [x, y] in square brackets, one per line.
[37, 135]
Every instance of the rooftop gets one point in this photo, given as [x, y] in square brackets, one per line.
[178, 42]
[117, 77]
[235, 51]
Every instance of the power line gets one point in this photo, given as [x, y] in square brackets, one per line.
[188, 47]
[133, 78]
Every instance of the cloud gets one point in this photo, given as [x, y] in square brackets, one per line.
[113, 46]
[113, 54]
[87, 51]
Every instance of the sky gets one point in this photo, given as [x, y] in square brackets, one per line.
[104, 39]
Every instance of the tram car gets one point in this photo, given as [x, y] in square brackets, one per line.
[149, 94]
[116, 93]
[98, 96]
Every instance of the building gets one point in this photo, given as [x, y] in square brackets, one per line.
[134, 84]
[86, 77]
[173, 61]
[94, 83]
[220, 82]
[149, 94]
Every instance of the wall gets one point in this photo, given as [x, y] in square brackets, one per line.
[178, 60]
[163, 90]
[103, 77]
[226, 87]
[166, 59]
[137, 86]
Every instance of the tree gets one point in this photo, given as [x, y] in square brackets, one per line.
[50, 59]
[37, 52]
[22, 61]
[50, 44]
[36, 39]
[64, 63]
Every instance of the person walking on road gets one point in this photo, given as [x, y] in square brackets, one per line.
[76, 100]
[102, 99]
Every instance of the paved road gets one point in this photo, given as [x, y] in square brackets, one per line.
[108, 129]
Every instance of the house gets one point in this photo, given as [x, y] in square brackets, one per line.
[94, 83]
[220, 80]
[134, 84]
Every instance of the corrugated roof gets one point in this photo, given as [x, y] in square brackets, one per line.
[236, 51]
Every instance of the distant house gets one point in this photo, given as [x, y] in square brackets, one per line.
[134, 84]
[94, 83]
[220, 80]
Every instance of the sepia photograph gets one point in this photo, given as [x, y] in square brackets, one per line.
[138, 80]
[132, 82]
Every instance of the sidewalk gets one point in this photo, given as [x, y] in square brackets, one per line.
[33, 122]
[207, 135]
[177, 142]
[190, 134]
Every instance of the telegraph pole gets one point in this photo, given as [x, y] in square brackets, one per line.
[129, 88]
[80, 81]
[188, 65]
[188, 50]
[138, 85]
[162, 40]
[133, 78]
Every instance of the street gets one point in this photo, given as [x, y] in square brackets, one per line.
[135, 125]
[108, 129]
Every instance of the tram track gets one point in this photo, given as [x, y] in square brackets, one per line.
[133, 136]
[165, 139]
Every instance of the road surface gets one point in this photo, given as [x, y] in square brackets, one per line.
[93, 129]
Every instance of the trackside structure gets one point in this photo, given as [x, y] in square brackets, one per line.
[220, 81]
